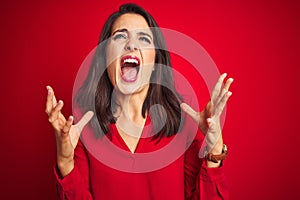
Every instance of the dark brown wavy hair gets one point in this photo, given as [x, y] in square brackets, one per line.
[96, 92]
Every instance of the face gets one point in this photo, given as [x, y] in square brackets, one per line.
[130, 54]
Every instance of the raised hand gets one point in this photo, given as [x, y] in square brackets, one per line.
[209, 119]
[67, 135]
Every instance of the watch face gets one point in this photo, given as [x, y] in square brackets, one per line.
[224, 147]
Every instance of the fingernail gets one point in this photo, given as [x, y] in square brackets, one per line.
[229, 93]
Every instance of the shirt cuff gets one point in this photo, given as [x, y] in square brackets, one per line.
[211, 174]
[67, 183]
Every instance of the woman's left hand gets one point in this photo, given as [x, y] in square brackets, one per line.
[209, 119]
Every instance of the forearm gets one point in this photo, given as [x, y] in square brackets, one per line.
[65, 158]
[65, 167]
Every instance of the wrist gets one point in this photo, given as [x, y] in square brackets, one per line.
[215, 160]
[218, 148]
[64, 166]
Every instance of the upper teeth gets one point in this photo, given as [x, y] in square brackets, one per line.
[131, 60]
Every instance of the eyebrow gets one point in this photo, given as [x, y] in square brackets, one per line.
[120, 30]
[125, 30]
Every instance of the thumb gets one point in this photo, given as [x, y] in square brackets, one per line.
[84, 120]
[209, 122]
[190, 111]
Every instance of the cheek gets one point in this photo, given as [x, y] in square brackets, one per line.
[111, 71]
[112, 54]
[113, 51]
[109, 55]
[149, 56]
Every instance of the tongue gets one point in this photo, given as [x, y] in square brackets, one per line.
[129, 73]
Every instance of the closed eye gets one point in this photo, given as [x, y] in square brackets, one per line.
[119, 36]
[145, 39]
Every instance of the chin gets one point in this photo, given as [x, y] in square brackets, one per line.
[132, 88]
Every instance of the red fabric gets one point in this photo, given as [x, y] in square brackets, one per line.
[186, 178]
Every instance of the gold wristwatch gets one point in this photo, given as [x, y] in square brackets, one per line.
[217, 158]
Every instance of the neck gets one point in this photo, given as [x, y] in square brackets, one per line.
[129, 113]
[130, 106]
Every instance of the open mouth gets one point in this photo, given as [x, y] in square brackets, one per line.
[130, 67]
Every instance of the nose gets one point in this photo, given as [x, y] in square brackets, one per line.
[131, 45]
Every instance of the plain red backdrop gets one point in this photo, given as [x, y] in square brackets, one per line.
[256, 42]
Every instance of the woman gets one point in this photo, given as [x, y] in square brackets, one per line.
[131, 57]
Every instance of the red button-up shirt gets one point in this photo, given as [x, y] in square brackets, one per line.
[148, 174]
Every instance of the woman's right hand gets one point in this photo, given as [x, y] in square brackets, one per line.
[67, 134]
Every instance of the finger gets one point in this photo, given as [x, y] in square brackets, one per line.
[84, 120]
[228, 83]
[217, 88]
[225, 89]
[54, 101]
[68, 125]
[222, 103]
[51, 100]
[49, 104]
[55, 112]
[190, 111]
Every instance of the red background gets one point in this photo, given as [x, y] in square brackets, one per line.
[256, 42]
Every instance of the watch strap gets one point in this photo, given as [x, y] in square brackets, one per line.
[216, 158]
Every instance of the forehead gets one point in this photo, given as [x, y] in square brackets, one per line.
[130, 22]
